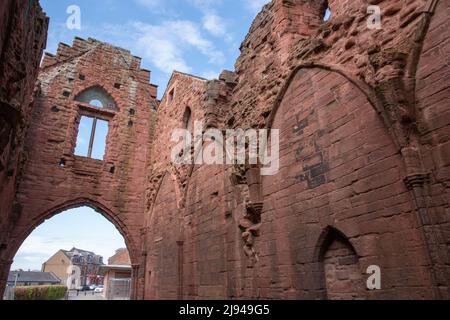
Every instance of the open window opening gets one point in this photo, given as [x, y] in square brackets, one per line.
[91, 139]
[326, 12]
[188, 123]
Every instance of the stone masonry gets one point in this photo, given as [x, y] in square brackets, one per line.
[364, 178]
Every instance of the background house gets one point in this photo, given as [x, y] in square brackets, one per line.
[75, 267]
[32, 278]
[117, 276]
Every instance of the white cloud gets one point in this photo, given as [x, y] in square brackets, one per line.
[165, 44]
[164, 53]
[211, 21]
[150, 4]
[214, 24]
[38, 245]
[217, 26]
[256, 5]
[170, 44]
[33, 259]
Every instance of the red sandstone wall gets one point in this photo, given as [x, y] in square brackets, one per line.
[23, 28]
[342, 272]
[206, 265]
[364, 170]
[162, 236]
[351, 161]
[54, 179]
[163, 213]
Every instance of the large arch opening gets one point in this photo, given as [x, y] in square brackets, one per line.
[333, 146]
[79, 246]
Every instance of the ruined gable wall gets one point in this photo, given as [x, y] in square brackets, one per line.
[121, 258]
[54, 178]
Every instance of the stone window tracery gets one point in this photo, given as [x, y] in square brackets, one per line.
[97, 97]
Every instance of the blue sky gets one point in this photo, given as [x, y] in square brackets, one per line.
[201, 37]
[82, 228]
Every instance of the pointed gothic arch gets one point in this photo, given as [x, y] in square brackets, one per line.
[100, 208]
[340, 267]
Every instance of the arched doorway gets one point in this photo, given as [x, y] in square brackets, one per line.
[80, 235]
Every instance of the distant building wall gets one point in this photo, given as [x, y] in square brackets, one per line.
[122, 257]
[59, 264]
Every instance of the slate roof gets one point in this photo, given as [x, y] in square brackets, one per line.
[83, 254]
[77, 252]
[33, 276]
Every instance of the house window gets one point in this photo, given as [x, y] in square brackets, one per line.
[91, 140]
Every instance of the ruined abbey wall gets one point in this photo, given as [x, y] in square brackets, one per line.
[363, 178]
[54, 178]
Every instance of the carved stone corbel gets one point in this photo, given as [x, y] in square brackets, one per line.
[250, 224]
